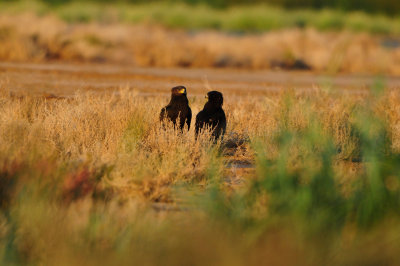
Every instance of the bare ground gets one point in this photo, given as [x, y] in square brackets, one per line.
[65, 79]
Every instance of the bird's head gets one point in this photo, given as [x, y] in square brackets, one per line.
[178, 90]
[215, 98]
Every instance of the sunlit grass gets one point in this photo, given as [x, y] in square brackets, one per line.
[96, 179]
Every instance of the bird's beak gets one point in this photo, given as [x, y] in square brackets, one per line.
[183, 91]
[206, 97]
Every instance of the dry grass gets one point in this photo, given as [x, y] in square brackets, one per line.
[49, 39]
[121, 130]
[85, 165]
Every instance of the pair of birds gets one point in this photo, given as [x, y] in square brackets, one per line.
[212, 117]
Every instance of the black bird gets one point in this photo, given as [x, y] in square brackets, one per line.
[212, 116]
[178, 108]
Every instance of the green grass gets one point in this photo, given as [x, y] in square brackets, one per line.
[254, 18]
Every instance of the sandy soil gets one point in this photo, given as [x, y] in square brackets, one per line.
[65, 79]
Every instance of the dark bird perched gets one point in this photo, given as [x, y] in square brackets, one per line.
[178, 108]
[212, 116]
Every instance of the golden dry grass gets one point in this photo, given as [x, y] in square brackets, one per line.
[121, 130]
[48, 39]
[88, 165]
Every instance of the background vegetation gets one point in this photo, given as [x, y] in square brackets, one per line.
[256, 17]
[372, 6]
[159, 35]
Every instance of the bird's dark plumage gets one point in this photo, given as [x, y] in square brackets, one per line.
[178, 109]
[212, 116]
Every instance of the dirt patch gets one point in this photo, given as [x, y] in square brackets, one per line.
[64, 80]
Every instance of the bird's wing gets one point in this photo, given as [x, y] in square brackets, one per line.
[223, 121]
[189, 118]
[199, 122]
[163, 112]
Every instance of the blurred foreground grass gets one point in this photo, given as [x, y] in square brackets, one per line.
[254, 18]
[94, 180]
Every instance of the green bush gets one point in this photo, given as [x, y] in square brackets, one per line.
[372, 6]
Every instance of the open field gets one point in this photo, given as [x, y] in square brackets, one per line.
[63, 79]
[306, 174]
